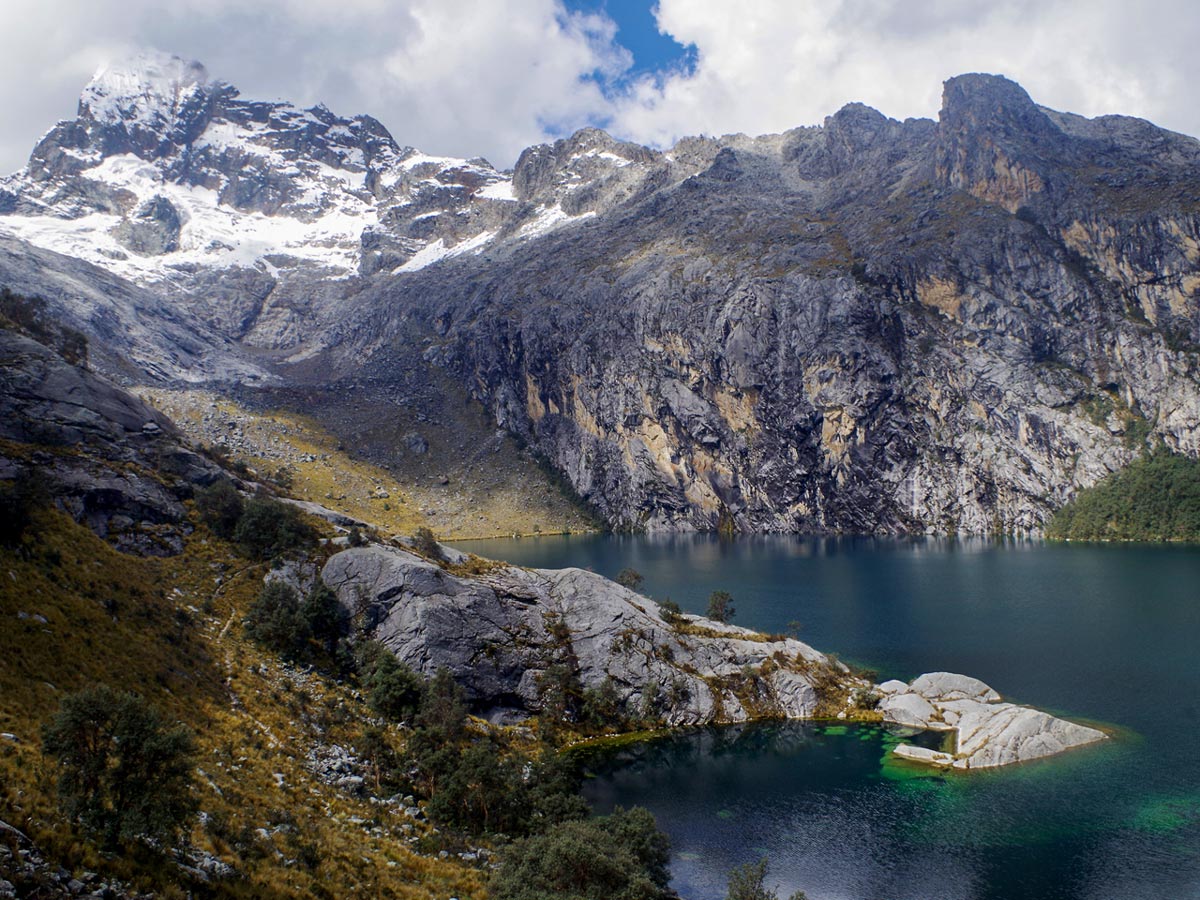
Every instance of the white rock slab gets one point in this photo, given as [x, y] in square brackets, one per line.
[989, 732]
[924, 755]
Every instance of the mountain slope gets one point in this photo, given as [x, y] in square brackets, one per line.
[870, 325]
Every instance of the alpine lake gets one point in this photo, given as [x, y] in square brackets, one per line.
[1106, 634]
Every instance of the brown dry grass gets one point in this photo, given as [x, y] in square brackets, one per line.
[155, 626]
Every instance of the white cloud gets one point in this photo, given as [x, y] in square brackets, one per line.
[488, 77]
[449, 76]
[769, 65]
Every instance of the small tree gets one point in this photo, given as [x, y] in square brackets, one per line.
[124, 772]
[394, 690]
[630, 578]
[720, 606]
[670, 610]
[268, 528]
[275, 620]
[220, 507]
[426, 543]
[619, 857]
[747, 882]
[326, 619]
[444, 707]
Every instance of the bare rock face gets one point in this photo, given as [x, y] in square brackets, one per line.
[107, 458]
[874, 326]
[501, 632]
[988, 731]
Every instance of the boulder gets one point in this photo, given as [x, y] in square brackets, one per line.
[988, 731]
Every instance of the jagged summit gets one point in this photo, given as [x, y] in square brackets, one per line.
[169, 177]
[142, 88]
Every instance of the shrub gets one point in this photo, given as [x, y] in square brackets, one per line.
[746, 882]
[327, 621]
[426, 543]
[275, 621]
[443, 706]
[385, 766]
[394, 690]
[601, 706]
[268, 528]
[630, 578]
[220, 507]
[125, 773]
[720, 606]
[619, 857]
[670, 610]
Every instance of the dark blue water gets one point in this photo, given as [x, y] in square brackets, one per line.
[1106, 633]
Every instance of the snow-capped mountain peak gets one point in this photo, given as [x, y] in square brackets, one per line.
[171, 179]
[143, 88]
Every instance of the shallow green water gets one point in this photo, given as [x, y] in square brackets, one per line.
[1095, 632]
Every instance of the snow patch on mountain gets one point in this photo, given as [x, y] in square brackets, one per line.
[437, 251]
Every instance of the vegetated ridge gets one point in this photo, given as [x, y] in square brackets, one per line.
[1156, 498]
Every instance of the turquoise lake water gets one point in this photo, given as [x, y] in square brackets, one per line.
[1094, 632]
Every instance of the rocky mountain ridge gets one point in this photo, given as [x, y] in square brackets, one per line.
[867, 326]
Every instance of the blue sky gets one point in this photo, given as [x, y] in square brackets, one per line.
[637, 32]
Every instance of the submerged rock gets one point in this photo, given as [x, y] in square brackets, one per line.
[988, 731]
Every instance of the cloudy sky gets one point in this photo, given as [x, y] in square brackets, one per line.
[489, 77]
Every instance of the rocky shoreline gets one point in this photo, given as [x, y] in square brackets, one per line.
[503, 631]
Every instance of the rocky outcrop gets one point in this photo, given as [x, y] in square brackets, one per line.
[987, 732]
[506, 632]
[107, 458]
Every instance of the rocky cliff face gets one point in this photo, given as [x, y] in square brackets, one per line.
[105, 457]
[870, 325]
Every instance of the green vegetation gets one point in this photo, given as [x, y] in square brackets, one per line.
[220, 507]
[1156, 498]
[670, 610]
[262, 527]
[748, 882]
[426, 543]
[125, 774]
[720, 607]
[619, 857]
[630, 578]
[268, 528]
[300, 631]
[160, 627]
[394, 691]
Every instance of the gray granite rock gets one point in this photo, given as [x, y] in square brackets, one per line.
[987, 731]
[500, 632]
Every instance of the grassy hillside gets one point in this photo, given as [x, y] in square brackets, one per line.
[480, 485]
[1156, 498]
[75, 612]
